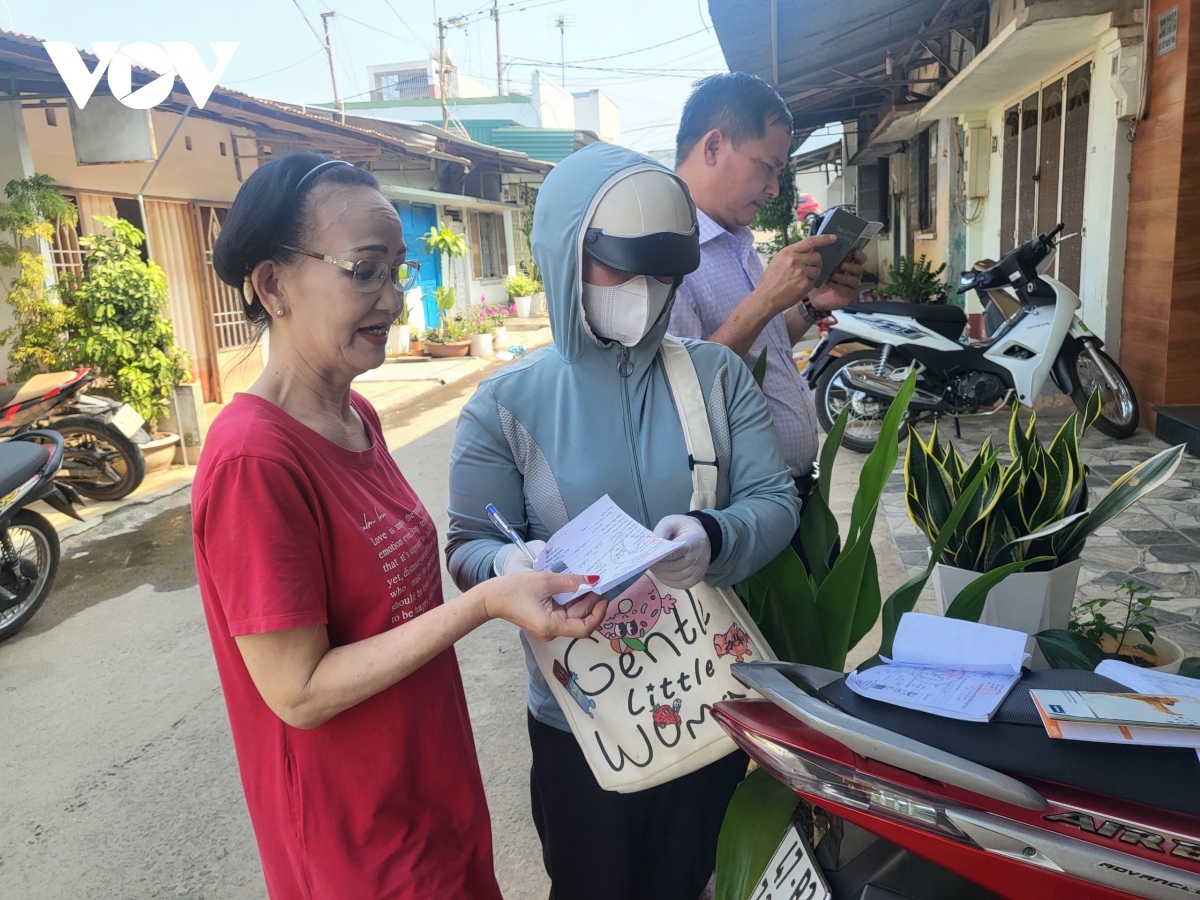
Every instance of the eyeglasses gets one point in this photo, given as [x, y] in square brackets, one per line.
[370, 274]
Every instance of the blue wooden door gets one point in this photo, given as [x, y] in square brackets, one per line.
[417, 219]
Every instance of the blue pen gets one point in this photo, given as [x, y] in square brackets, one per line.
[499, 522]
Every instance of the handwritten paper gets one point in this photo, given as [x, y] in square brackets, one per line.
[969, 696]
[602, 540]
[946, 667]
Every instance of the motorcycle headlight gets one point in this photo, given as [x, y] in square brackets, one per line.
[821, 778]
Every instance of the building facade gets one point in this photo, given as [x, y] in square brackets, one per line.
[200, 158]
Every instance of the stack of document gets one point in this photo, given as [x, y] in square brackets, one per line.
[1158, 719]
[603, 540]
[1148, 681]
[947, 667]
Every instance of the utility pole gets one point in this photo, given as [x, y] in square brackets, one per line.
[499, 67]
[337, 97]
[441, 26]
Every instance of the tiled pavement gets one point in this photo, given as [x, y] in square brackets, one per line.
[1156, 541]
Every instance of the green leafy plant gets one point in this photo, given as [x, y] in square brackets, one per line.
[779, 212]
[42, 324]
[521, 286]
[1132, 606]
[916, 281]
[441, 238]
[1093, 626]
[756, 818]
[816, 615]
[450, 331]
[123, 333]
[1036, 507]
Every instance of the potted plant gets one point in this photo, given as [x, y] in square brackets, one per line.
[452, 337]
[521, 289]
[1122, 627]
[123, 332]
[817, 614]
[400, 334]
[497, 317]
[39, 338]
[479, 330]
[915, 281]
[1035, 509]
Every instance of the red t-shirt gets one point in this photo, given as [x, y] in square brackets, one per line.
[385, 800]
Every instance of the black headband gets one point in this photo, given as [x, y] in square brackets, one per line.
[318, 167]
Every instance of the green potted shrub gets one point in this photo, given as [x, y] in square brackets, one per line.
[123, 332]
[816, 615]
[1122, 627]
[1034, 509]
[451, 337]
[521, 289]
[39, 338]
[915, 281]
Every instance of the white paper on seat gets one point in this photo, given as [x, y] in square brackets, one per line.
[941, 643]
[946, 667]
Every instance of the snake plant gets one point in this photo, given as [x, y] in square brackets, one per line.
[1034, 509]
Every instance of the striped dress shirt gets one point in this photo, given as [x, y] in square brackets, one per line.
[729, 270]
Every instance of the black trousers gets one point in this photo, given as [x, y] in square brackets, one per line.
[656, 844]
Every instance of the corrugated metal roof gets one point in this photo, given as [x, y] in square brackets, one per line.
[549, 144]
[828, 59]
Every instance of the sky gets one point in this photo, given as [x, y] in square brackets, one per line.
[280, 58]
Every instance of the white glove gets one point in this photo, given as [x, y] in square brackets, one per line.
[685, 567]
[512, 559]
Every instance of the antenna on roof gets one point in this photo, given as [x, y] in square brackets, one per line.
[562, 23]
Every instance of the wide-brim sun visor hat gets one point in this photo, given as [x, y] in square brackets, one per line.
[645, 224]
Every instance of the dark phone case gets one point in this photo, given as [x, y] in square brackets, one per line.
[848, 228]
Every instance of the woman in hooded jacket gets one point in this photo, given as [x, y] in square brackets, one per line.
[614, 234]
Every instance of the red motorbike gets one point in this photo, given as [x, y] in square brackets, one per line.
[930, 808]
[101, 458]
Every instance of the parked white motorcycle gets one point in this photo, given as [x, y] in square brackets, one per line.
[1034, 334]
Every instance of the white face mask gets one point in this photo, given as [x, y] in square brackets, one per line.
[625, 312]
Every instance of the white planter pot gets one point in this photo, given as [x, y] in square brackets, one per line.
[399, 340]
[500, 337]
[1167, 654]
[524, 306]
[481, 345]
[1027, 601]
[539, 303]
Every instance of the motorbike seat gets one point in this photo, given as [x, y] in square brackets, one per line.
[20, 461]
[944, 318]
[35, 387]
[1015, 742]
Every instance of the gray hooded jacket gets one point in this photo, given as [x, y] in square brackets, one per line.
[546, 437]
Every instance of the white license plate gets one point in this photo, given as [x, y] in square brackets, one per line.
[126, 420]
[792, 873]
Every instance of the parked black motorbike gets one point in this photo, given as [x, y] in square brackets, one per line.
[29, 463]
[101, 459]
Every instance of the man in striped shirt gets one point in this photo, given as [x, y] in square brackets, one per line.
[733, 141]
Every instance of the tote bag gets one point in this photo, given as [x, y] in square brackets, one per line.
[638, 693]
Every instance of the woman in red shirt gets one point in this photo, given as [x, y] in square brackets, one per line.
[319, 571]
